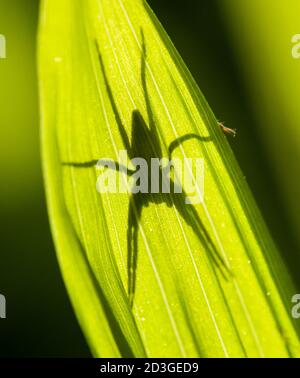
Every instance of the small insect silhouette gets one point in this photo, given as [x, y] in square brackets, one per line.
[145, 143]
[227, 130]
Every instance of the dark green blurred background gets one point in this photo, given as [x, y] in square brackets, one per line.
[40, 320]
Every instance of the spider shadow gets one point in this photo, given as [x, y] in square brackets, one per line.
[145, 143]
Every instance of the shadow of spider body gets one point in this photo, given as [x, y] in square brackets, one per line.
[145, 143]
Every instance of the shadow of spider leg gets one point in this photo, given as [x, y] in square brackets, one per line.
[134, 215]
[100, 163]
[178, 141]
[190, 214]
[192, 218]
[177, 198]
[114, 165]
[136, 203]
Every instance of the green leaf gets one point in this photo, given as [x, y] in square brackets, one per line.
[203, 280]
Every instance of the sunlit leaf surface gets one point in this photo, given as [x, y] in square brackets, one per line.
[149, 275]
